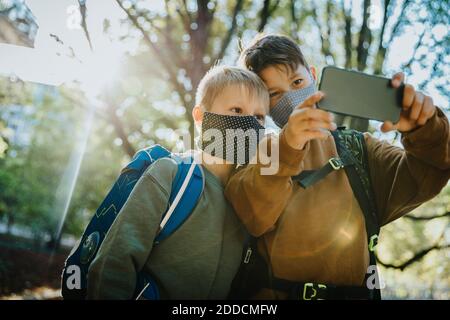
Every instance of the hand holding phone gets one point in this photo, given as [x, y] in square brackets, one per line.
[308, 123]
[418, 108]
[360, 95]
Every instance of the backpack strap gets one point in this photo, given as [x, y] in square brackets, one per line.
[351, 148]
[351, 144]
[253, 274]
[187, 187]
[309, 177]
[145, 157]
[186, 190]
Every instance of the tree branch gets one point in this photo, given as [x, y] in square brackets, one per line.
[294, 25]
[159, 55]
[83, 10]
[274, 7]
[226, 41]
[120, 131]
[410, 217]
[365, 38]
[417, 257]
[347, 36]
[199, 42]
[265, 13]
[385, 19]
[324, 34]
[147, 39]
[168, 66]
[382, 48]
[185, 17]
[381, 52]
[396, 27]
[166, 35]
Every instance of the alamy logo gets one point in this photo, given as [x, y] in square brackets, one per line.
[74, 277]
[374, 281]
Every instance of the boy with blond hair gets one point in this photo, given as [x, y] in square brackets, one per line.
[200, 259]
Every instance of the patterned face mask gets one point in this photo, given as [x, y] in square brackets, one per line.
[282, 110]
[232, 138]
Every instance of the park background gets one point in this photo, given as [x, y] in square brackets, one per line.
[85, 84]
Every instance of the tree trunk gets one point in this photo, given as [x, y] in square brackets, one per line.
[347, 36]
[381, 53]
[264, 15]
[120, 131]
[365, 38]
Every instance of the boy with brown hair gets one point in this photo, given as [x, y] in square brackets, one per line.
[313, 236]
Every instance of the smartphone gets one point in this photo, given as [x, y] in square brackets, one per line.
[360, 95]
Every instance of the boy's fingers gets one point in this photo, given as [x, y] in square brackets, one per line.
[427, 112]
[416, 106]
[310, 124]
[308, 113]
[311, 100]
[408, 96]
[397, 79]
[319, 114]
[388, 126]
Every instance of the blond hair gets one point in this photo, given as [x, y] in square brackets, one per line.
[220, 77]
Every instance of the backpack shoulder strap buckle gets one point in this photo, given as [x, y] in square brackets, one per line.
[313, 291]
[373, 242]
[336, 163]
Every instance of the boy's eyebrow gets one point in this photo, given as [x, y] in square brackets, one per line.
[295, 75]
[234, 102]
[272, 88]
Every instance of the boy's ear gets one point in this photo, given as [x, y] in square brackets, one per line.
[197, 114]
[312, 69]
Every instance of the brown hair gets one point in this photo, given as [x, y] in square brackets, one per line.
[269, 50]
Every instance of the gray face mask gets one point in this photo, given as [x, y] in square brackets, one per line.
[282, 110]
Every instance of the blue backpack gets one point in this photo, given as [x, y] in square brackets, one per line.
[187, 188]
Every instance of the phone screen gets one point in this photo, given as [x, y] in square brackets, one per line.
[360, 95]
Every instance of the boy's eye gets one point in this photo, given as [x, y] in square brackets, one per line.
[273, 94]
[260, 118]
[297, 82]
[236, 110]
